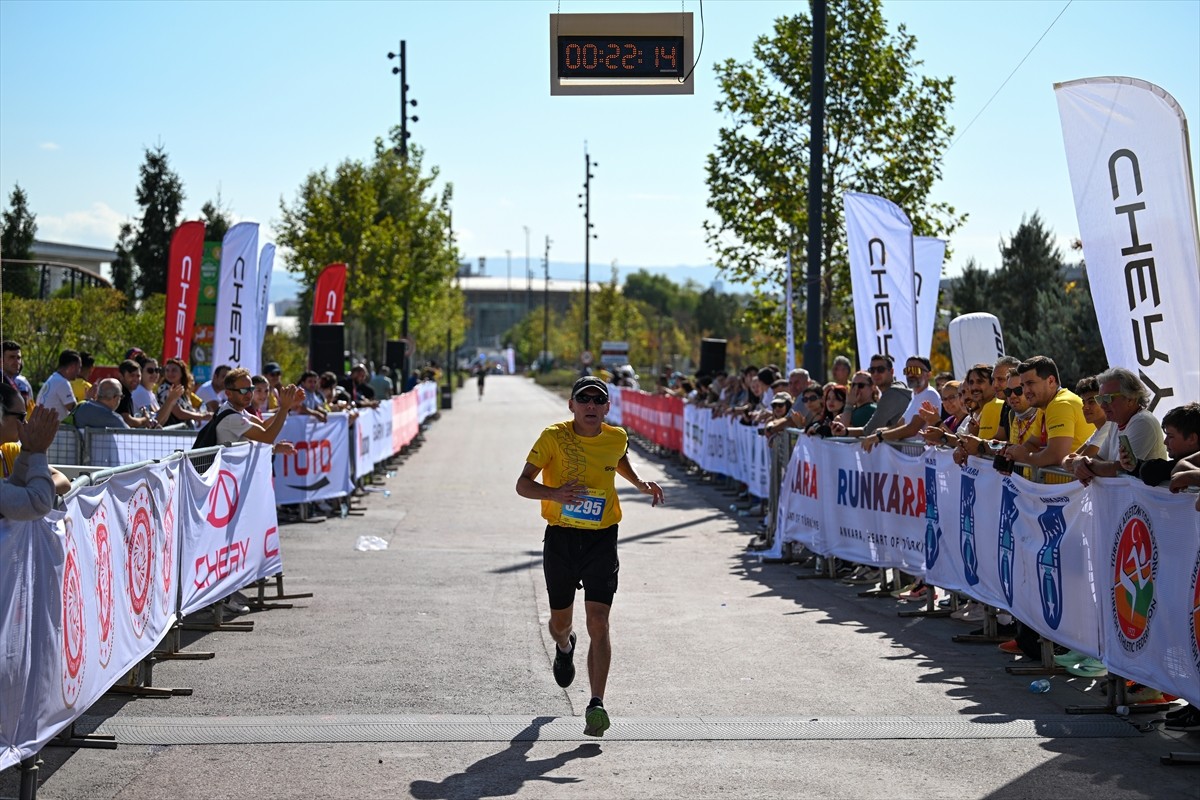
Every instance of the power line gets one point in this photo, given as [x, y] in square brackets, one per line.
[1014, 72]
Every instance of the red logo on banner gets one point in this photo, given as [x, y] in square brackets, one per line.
[271, 542]
[1135, 565]
[223, 499]
[139, 557]
[168, 549]
[1196, 612]
[183, 289]
[74, 627]
[328, 295]
[104, 581]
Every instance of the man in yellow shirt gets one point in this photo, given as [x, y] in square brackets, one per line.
[1063, 428]
[579, 460]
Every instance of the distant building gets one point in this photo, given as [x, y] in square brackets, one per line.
[495, 304]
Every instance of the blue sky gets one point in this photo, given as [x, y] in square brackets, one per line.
[248, 98]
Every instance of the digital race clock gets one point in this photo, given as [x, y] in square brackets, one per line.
[621, 53]
[620, 57]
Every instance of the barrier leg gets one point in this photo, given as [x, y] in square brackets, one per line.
[1181, 759]
[826, 569]
[95, 741]
[29, 778]
[140, 683]
[990, 635]
[1115, 697]
[1047, 667]
[930, 609]
[218, 622]
[262, 600]
[174, 648]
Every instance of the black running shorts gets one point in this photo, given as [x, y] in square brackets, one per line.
[574, 558]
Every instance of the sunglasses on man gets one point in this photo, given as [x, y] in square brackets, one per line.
[591, 399]
[914, 371]
[1107, 399]
[243, 391]
[878, 370]
[1011, 390]
[860, 385]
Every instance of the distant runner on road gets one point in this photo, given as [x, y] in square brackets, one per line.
[480, 377]
[579, 460]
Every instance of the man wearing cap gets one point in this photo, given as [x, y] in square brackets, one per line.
[579, 459]
[274, 375]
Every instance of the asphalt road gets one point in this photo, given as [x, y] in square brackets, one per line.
[423, 670]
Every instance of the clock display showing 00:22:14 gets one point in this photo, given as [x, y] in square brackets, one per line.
[620, 56]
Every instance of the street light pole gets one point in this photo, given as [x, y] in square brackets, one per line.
[546, 310]
[528, 275]
[586, 205]
[402, 151]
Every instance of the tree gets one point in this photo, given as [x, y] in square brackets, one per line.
[384, 220]
[216, 220]
[17, 232]
[160, 194]
[123, 267]
[885, 133]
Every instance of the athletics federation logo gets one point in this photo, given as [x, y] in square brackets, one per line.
[74, 628]
[139, 557]
[1195, 617]
[102, 546]
[1134, 567]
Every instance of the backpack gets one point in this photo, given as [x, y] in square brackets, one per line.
[207, 437]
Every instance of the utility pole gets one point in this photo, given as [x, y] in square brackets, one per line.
[402, 151]
[448, 392]
[508, 309]
[586, 205]
[814, 350]
[546, 310]
[528, 275]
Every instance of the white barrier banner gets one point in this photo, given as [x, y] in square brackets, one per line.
[1051, 556]
[360, 435]
[235, 332]
[892, 485]
[800, 509]
[320, 467]
[230, 536]
[950, 560]
[882, 278]
[1127, 153]
[427, 400]
[614, 406]
[377, 426]
[92, 593]
[1147, 567]
[986, 531]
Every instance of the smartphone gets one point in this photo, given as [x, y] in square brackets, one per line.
[1126, 448]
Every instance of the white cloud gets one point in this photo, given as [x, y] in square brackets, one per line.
[48, 146]
[96, 227]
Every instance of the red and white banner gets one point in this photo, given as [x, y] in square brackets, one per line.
[230, 537]
[235, 332]
[328, 295]
[1127, 153]
[882, 277]
[183, 289]
[727, 447]
[659, 418]
[928, 255]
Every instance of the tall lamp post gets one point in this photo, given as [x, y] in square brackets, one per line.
[448, 392]
[546, 310]
[402, 151]
[586, 204]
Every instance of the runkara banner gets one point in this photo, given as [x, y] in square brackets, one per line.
[1127, 154]
[235, 331]
[882, 277]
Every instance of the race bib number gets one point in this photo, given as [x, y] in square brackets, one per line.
[588, 512]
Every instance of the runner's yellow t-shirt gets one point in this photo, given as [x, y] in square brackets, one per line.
[563, 456]
[80, 387]
[989, 419]
[1064, 417]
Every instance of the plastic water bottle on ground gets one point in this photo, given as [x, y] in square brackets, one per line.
[1040, 686]
[366, 543]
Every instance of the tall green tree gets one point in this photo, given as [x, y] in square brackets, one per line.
[160, 195]
[17, 232]
[386, 222]
[123, 267]
[216, 219]
[885, 133]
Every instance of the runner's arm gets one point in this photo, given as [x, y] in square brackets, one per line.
[567, 494]
[625, 470]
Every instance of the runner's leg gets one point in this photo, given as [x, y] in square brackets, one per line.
[600, 651]
[560, 626]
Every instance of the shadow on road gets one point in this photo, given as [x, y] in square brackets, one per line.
[504, 773]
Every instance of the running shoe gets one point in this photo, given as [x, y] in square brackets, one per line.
[564, 664]
[1011, 647]
[1188, 721]
[595, 721]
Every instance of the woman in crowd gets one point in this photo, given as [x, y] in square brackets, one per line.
[835, 404]
[187, 409]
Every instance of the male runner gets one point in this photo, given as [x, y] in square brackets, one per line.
[580, 459]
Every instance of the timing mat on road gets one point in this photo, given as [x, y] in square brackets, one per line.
[482, 728]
